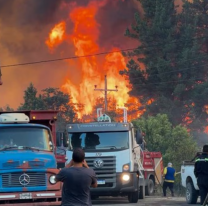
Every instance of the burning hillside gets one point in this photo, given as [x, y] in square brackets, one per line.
[91, 69]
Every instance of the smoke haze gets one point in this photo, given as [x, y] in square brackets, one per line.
[24, 28]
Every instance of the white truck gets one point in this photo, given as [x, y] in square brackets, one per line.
[189, 181]
[113, 150]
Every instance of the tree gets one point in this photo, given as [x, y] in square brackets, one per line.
[165, 66]
[175, 143]
[54, 99]
[50, 99]
[7, 108]
[31, 101]
[195, 15]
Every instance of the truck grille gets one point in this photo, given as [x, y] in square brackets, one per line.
[20, 179]
[106, 172]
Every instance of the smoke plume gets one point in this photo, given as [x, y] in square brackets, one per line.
[24, 28]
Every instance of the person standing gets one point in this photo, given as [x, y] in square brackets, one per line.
[77, 179]
[201, 173]
[169, 178]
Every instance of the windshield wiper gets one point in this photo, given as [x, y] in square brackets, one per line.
[29, 148]
[19, 147]
[108, 147]
[9, 147]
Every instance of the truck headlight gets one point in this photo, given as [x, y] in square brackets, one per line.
[52, 179]
[126, 177]
[126, 167]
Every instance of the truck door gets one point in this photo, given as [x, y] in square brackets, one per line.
[136, 151]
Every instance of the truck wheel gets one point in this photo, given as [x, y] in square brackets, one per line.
[150, 188]
[141, 192]
[133, 197]
[191, 193]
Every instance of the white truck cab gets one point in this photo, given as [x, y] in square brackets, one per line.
[113, 150]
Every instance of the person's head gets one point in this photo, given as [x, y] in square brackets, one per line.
[170, 164]
[78, 155]
[205, 148]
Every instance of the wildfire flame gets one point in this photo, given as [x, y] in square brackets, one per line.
[56, 35]
[85, 37]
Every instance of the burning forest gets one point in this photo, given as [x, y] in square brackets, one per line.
[90, 36]
[92, 68]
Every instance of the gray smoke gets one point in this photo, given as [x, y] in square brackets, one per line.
[24, 28]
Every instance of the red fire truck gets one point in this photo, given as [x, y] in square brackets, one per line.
[47, 118]
[153, 170]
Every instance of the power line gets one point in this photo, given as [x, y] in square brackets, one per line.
[65, 58]
[96, 54]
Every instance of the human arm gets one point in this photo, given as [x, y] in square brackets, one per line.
[85, 164]
[164, 172]
[70, 164]
[60, 176]
[195, 169]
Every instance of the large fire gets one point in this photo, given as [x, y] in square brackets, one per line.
[56, 35]
[93, 69]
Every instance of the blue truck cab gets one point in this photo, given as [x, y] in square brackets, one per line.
[27, 163]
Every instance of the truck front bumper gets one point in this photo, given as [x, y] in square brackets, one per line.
[31, 198]
[119, 188]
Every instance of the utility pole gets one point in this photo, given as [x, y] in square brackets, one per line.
[106, 90]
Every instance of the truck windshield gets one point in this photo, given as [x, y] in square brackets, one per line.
[99, 140]
[25, 137]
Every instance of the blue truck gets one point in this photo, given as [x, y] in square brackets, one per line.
[27, 163]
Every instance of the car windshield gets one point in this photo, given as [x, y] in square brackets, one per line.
[99, 140]
[25, 137]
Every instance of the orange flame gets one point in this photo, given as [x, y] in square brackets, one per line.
[56, 35]
[84, 37]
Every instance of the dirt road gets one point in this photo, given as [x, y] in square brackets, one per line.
[148, 201]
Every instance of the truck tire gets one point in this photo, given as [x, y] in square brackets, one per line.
[141, 192]
[133, 197]
[150, 188]
[191, 193]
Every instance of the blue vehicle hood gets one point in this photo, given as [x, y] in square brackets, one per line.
[24, 159]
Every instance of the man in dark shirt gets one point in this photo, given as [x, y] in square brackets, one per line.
[201, 173]
[77, 179]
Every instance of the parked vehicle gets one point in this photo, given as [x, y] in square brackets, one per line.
[153, 170]
[48, 119]
[113, 150]
[189, 181]
[27, 163]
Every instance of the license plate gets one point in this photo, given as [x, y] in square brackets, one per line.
[26, 196]
[101, 182]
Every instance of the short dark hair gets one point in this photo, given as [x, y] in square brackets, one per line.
[205, 148]
[78, 155]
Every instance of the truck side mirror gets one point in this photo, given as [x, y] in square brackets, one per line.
[139, 138]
